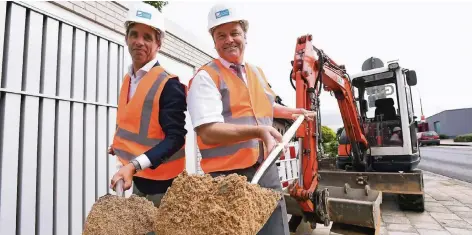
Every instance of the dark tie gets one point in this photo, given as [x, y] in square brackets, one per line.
[238, 69]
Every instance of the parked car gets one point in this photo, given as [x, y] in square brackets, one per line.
[428, 137]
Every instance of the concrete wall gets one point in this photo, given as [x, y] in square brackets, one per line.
[452, 122]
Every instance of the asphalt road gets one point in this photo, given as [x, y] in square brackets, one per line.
[451, 161]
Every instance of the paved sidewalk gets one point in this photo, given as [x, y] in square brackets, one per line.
[448, 211]
[451, 142]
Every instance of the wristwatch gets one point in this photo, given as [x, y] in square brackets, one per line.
[136, 164]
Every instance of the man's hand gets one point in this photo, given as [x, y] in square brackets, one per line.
[309, 115]
[111, 151]
[126, 173]
[270, 136]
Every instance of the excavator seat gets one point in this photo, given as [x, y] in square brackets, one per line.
[385, 107]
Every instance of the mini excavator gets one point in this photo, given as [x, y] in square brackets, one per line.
[350, 195]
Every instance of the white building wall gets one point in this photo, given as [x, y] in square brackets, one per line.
[61, 68]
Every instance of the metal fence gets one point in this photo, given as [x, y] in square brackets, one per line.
[58, 97]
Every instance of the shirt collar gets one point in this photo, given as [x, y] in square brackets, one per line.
[226, 64]
[144, 69]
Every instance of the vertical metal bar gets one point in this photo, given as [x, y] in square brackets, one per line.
[120, 71]
[77, 154]
[79, 65]
[3, 20]
[46, 167]
[101, 151]
[62, 167]
[11, 122]
[110, 134]
[89, 154]
[113, 75]
[50, 57]
[91, 68]
[65, 61]
[63, 123]
[102, 78]
[77, 140]
[29, 116]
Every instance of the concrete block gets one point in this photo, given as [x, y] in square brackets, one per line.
[444, 216]
[430, 226]
[432, 232]
[395, 219]
[458, 231]
[401, 228]
[456, 224]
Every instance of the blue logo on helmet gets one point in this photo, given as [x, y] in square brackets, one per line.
[222, 13]
[143, 14]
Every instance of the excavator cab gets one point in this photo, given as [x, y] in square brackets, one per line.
[384, 98]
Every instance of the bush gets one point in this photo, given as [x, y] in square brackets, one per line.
[331, 148]
[443, 137]
[463, 138]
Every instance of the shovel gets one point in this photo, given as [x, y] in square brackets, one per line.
[274, 154]
[117, 215]
[119, 185]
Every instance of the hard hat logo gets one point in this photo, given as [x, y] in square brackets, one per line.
[143, 14]
[222, 13]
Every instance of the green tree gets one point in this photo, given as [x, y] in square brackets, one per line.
[328, 134]
[329, 141]
[157, 4]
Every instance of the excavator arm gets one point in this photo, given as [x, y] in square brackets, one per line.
[313, 70]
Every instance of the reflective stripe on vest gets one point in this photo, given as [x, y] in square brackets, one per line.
[135, 134]
[251, 108]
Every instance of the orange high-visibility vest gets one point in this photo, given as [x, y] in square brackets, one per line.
[138, 128]
[242, 105]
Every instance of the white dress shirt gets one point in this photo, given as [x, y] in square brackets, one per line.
[135, 78]
[204, 99]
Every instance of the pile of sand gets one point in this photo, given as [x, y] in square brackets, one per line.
[200, 205]
[113, 215]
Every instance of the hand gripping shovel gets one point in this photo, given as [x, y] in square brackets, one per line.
[118, 215]
[274, 154]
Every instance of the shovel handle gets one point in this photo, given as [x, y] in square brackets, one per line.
[274, 154]
[119, 185]
[119, 188]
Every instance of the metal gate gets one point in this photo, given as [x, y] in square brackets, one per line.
[58, 97]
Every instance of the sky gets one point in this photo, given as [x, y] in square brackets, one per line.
[434, 38]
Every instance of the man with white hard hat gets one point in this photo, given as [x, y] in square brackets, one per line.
[396, 137]
[150, 135]
[232, 108]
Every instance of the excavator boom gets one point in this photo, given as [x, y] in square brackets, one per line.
[321, 202]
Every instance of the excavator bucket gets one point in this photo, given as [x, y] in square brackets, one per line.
[352, 210]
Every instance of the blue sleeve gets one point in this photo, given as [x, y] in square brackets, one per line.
[172, 105]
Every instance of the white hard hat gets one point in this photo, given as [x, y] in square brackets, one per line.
[222, 14]
[396, 129]
[146, 14]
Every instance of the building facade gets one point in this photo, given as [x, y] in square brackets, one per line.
[61, 66]
[451, 122]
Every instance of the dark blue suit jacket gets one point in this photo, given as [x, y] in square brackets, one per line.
[172, 106]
